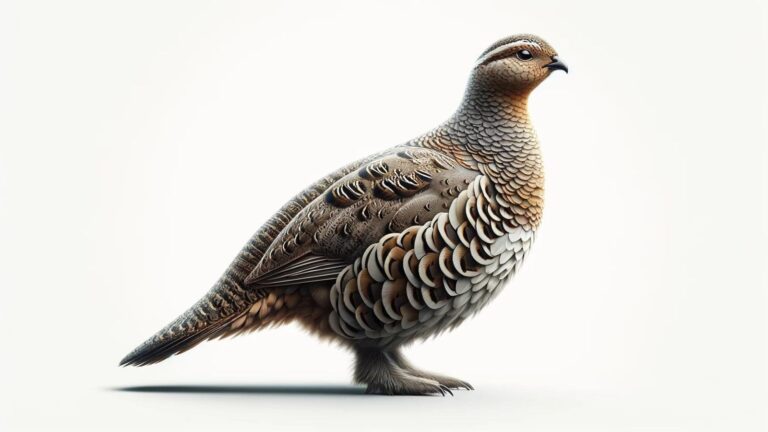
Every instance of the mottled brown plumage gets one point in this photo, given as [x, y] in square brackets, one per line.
[400, 245]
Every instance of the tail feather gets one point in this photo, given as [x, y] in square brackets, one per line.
[177, 337]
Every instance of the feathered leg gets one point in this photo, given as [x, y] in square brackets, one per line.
[380, 372]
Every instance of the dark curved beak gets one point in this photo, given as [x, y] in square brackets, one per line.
[556, 65]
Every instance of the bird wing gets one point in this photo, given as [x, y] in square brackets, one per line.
[404, 187]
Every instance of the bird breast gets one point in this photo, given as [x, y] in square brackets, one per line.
[431, 277]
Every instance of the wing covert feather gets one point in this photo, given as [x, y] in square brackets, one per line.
[403, 187]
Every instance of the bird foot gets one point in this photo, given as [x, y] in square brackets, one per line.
[408, 385]
[387, 372]
[453, 383]
[446, 381]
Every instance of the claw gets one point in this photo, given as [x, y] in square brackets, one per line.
[443, 387]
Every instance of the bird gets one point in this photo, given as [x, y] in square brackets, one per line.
[399, 246]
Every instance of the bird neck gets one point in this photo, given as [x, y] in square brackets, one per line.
[509, 106]
[492, 133]
[498, 111]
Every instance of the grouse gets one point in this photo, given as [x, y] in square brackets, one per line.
[398, 246]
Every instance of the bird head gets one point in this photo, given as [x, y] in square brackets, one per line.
[516, 64]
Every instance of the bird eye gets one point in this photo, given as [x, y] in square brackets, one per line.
[524, 55]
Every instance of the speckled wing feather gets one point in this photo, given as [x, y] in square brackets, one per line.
[405, 186]
[301, 271]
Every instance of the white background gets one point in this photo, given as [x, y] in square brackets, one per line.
[142, 142]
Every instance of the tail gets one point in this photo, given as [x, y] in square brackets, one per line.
[209, 318]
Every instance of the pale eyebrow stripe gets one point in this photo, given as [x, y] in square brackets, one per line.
[503, 43]
[505, 47]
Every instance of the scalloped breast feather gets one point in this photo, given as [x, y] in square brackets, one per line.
[431, 277]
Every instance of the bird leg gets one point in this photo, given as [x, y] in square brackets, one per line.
[446, 381]
[380, 372]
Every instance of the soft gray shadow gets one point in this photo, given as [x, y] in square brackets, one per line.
[248, 389]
